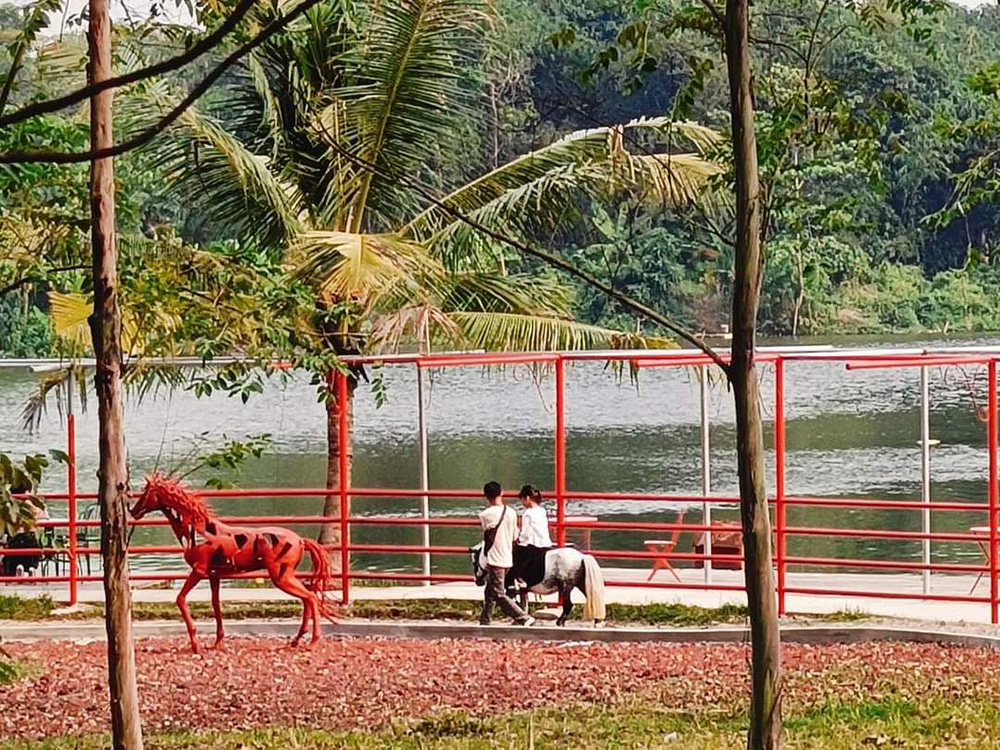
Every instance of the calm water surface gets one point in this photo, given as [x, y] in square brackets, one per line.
[849, 434]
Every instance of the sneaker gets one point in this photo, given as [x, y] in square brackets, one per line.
[529, 622]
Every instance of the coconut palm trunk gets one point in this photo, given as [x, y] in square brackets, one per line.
[330, 533]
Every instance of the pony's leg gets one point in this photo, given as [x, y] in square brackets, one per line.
[566, 594]
[217, 608]
[190, 583]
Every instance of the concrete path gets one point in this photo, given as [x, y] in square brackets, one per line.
[814, 634]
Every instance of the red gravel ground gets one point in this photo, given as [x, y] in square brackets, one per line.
[352, 683]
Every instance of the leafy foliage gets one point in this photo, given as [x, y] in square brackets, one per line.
[18, 484]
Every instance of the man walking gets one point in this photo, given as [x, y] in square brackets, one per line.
[499, 529]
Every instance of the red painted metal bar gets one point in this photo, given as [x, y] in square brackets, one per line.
[71, 506]
[277, 493]
[489, 360]
[674, 585]
[882, 504]
[887, 594]
[779, 477]
[841, 562]
[991, 437]
[936, 536]
[433, 578]
[345, 527]
[560, 455]
[874, 364]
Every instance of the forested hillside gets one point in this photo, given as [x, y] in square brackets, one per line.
[887, 219]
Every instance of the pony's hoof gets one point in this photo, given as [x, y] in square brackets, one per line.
[219, 645]
[560, 623]
[600, 624]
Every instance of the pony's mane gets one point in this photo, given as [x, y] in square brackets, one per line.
[173, 494]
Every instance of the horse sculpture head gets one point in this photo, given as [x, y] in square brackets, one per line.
[477, 569]
[164, 493]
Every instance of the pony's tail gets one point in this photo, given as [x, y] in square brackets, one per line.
[322, 577]
[593, 587]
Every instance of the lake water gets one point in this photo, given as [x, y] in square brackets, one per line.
[849, 434]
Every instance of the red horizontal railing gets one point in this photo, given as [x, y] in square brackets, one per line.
[987, 543]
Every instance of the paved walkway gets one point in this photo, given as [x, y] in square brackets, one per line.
[810, 603]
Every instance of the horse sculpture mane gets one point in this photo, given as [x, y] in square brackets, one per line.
[174, 495]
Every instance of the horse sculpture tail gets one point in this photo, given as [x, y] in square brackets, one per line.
[322, 576]
[593, 586]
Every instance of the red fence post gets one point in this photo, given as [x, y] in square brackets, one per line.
[779, 476]
[991, 438]
[71, 504]
[345, 528]
[560, 457]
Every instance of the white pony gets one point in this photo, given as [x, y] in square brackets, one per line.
[566, 568]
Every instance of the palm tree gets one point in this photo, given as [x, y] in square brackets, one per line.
[323, 146]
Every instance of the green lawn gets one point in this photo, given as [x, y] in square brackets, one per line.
[679, 615]
[888, 722]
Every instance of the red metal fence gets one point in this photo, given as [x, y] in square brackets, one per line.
[986, 537]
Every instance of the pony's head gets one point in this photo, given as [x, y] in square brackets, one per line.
[163, 493]
[477, 569]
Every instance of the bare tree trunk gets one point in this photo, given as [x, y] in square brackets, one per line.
[765, 710]
[106, 331]
[800, 292]
[330, 533]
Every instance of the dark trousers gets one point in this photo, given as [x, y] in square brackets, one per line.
[495, 594]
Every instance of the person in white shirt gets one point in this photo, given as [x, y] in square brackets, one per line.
[499, 528]
[532, 542]
[534, 520]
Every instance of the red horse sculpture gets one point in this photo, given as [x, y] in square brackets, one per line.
[216, 550]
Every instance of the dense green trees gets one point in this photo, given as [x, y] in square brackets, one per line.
[888, 226]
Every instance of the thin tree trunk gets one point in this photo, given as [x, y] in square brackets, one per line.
[106, 331]
[330, 533]
[800, 293]
[765, 711]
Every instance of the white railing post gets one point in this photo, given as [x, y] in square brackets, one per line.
[706, 473]
[424, 499]
[925, 471]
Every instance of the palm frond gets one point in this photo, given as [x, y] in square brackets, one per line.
[364, 268]
[37, 403]
[235, 186]
[559, 164]
[509, 331]
[422, 324]
[410, 88]
[70, 314]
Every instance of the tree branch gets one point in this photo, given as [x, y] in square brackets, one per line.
[544, 255]
[719, 16]
[15, 285]
[81, 95]
[15, 67]
[61, 157]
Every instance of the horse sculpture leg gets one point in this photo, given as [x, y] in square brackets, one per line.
[284, 578]
[190, 583]
[213, 579]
